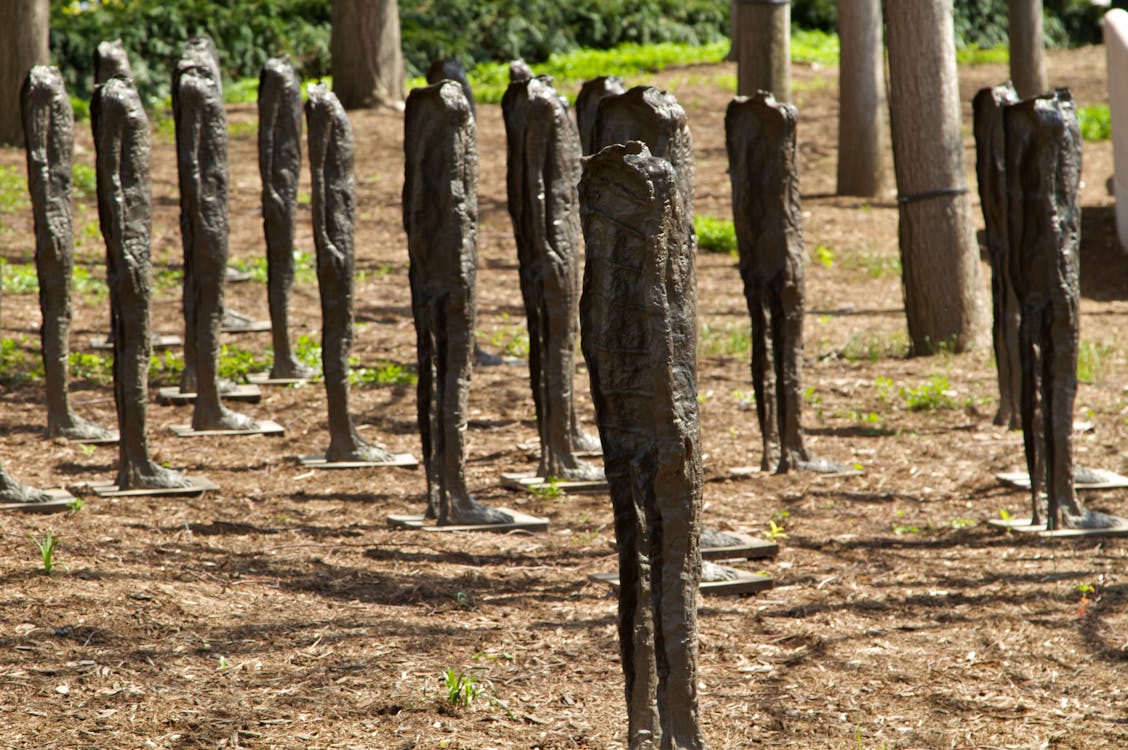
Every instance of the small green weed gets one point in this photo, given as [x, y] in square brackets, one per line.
[716, 235]
[85, 180]
[973, 54]
[46, 547]
[873, 344]
[13, 189]
[165, 368]
[16, 362]
[824, 255]
[511, 340]
[461, 688]
[874, 264]
[745, 400]
[730, 339]
[1093, 359]
[961, 523]
[549, 488]
[905, 529]
[1095, 122]
[18, 278]
[1005, 515]
[90, 366]
[77, 503]
[937, 393]
[234, 363]
[386, 374]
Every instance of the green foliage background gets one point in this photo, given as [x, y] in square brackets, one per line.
[247, 32]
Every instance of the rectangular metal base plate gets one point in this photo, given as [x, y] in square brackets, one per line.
[265, 427]
[1102, 479]
[745, 583]
[1023, 526]
[520, 522]
[319, 462]
[198, 486]
[172, 394]
[160, 341]
[263, 378]
[60, 501]
[533, 483]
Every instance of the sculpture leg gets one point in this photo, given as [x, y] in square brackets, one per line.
[209, 412]
[188, 376]
[558, 366]
[456, 359]
[54, 271]
[636, 617]
[786, 299]
[676, 637]
[1005, 340]
[763, 379]
[279, 282]
[1028, 357]
[426, 364]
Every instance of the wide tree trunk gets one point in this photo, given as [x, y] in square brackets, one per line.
[939, 257]
[861, 98]
[763, 41]
[367, 56]
[1024, 30]
[23, 43]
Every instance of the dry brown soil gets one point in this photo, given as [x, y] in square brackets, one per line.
[282, 612]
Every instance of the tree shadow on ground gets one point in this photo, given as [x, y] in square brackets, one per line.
[1104, 264]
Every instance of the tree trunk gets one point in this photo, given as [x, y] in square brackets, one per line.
[939, 257]
[1024, 30]
[861, 95]
[367, 59]
[763, 39]
[23, 43]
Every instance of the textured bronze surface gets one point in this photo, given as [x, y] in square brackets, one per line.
[49, 138]
[638, 318]
[440, 216]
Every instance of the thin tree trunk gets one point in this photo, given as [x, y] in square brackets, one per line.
[23, 43]
[367, 59]
[1024, 30]
[861, 98]
[763, 36]
[939, 256]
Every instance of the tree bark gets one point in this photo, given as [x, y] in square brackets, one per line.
[1024, 31]
[939, 257]
[23, 43]
[763, 39]
[367, 58]
[861, 96]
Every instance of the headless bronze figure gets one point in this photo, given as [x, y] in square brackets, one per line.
[543, 169]
[990, 169]
[760, 139]
[452, 70]
[201, 149]
[121, 141]
[333, 202]
[440, 216]
[587, 105]
[638, 317]
[49, 134]
[1043, 173]
[280, 161]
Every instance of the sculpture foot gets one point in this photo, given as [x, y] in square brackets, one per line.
[470, 512]
[583, 441]
[361, 451]
[1091, 519]
[225, 419]
[12, 491]
[77, 428]
[152, 477]
[482, 358]
[579, 471]
[716, 538]
[1002, 417]
[711, 572]
[289, 368]
[817, 466]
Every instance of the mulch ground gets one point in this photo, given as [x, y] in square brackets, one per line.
[282, 612]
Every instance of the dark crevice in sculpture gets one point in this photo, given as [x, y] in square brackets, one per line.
[124, 158]
[543, 169]
[440, 216]
[49, 136]
[639, 339]
[110, 59]
[990, 169]
[587, 105]
[333, 202]
[280, 161]
[1043, 212]
[201, 151]
[760, 139]
[452, 70]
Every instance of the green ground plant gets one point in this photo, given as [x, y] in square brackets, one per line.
[726, 340]
[46, 547]
[461, 688]
[1093, 360]
[388, 373]
[935, 393]
[716, 235]
[1095, 122]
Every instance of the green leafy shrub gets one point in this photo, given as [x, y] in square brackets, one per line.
[1095, 121]
[716, 235]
